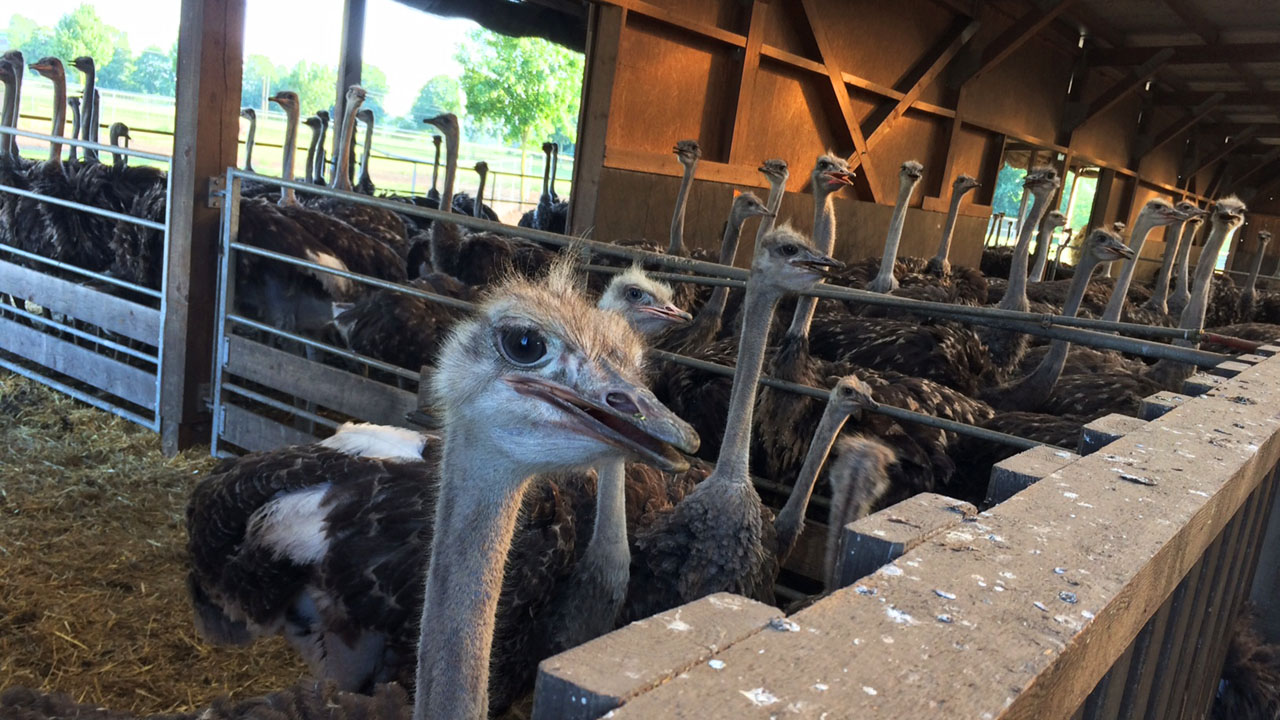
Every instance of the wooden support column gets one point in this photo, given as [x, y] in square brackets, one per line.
[604, 33]
[206, 129]
[350, 63]
[747, 81]
[1102, 198]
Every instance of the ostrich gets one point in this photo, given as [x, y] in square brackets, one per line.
[555, 166]
[720, 537]
[1044, 238]
[908, 177]
[859, 477]
[540, 216]
[776, 174]
[1248, 296]
[433, 193]
[365, 184]
[89, 130]
[74, 104]
[1155, 213]
[474, 206]
[939, 264]
[383, 225]
[1029, 392]
[1181, 233]
[137, 253]
[324, 132]
[313, 145]
[688, 152]
[251, 115]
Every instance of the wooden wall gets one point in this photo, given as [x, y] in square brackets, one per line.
[879, 83]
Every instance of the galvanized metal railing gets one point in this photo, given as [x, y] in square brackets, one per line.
[88, 334]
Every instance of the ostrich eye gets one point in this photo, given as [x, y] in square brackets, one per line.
[788, 250]
[846, 391]
[523, 346]
[634, 293]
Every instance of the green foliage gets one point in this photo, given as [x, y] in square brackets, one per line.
[441, 94]
[82, 32]
[260, 79]
[34, 40]
[314, 84]
[1008, 193]
[153, 72]
[117, 73]
[374, 82]
[523, 88]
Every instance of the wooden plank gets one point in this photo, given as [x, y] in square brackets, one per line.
[1122, 88]
[1022, 30]
[124, 381]
[869, 543]
[1171, 643]
[82, 302]
[1104, 702]
[360, 397]
[1146, 647]
[1019, 472]
[660, 164]
[605, 24]
[1099, 433]
[205, 143]
[1154, 406]
[1237, 141]
[1265, 586]
[747, 81]
[255, 433]
[663, 15]
[927, 70]
[1261, 163]
[1183, 124]
[596, 677]
[1217, 53]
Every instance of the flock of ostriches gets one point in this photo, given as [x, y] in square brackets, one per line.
[559, 499]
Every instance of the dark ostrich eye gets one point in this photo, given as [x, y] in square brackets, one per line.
[523, 346]
[634, 294]
[788, 250]
[846, 391]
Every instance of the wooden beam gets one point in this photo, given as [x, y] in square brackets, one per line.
[1121, 89]
[663, 15]
[1229, 97]
[1203, 25]
[350, 62]
[1214, 54]
[604, 33]
[1226, 149]
[1182, 125]
[826, 50]
[206, 130]
[1022, 30]
[925, 72]
[1262, 163]
[747, 80]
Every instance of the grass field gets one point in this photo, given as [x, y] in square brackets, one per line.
[150, 119]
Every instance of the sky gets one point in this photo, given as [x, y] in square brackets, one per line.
[408, 45]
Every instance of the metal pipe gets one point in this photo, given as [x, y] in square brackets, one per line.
[87, 398]
[1120, 343]
[118, 217]
[277, 405]
[110, 344]
[332, 349]
[88, 144]
[80, 271]
[886, 410]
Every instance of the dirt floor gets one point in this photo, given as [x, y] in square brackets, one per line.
[92, 564]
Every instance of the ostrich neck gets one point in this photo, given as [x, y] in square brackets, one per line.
[758, 307]
[546, 177]
[248, 147]
[476, 513]
[824, 238]
[949, 229]
[1257, 268]
[311, 154]
[342, 174]
[728, 250]
[609, 536]
[6, 118]
[446, 198]
[87, 99]
[368, 149]
[59, 119]
[790, 520]
[555, 165]
[324, 133]
[1015, 295]
[1121, 290]
[118, 159]
[1184, 258]
[676, 244]
[777, 189]
[1043, 237]
[75, 130]
[1170, 373]
[14, 150]
[1172, 249]
[435, 168]
[895, 232]
[287, 195]
[477, 208]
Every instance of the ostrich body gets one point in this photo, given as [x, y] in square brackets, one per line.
[1044, 238]
[939, 264]
[1155, 213]
[550, 214]
[859, 477]
[908, 177]
[252, 116]
[688, 152]
[89, 130]
[1159, 300]
[1248, 296]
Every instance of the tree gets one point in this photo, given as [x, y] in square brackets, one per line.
[374, 82]
[153, 72]
[82, 32]
[314, 84]
[35, 40]
[116, 74]
[261, 78]
[441, 94]
[524, 88]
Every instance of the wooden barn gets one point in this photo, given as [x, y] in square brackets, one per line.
[873, 360]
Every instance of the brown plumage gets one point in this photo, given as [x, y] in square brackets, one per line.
[1250, 684]
[401, 329]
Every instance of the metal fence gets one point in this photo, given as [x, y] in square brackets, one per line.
[90, 335]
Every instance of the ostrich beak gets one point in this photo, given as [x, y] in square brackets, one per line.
[668, 312]
[840, 178]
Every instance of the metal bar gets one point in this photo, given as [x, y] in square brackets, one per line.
[79, 333]
[87, 144]
[886, 410]
[119, 217]
[277, 405]
[399, 371]
[79, 271]
[80, 395]
[108, 311]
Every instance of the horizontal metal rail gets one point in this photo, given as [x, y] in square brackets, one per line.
[80, 271]
[277, 405]
[151, 423]
[896, 413]
[104, 342]
[371, 362]
[87, 144]
[112, 214]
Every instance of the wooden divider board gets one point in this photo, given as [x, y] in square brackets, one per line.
[1082, 560]
[81, 302]
[124, 381]
[246, 429]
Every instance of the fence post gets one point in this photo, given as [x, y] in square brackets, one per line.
[206, 138]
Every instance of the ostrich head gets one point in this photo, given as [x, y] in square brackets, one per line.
[286, 99]
[50, 67]
[249, 114]
[118, 131]
[775, 170]
[1054, 219]
[547, 147]
[74, 103]
[647, 304]
[911, 171]
[324, 116]
[964, 183]
[1229, 211]
[1041, 181]
[747, 205]
[1264, 237]
[1190, 210]
[482, 168]
[688, 152]
[446, 122]
[787, 261]
[364, 115]
[830, 173]
[556, 381]
[850, 396]
[355, 94]
[1160, 212]
[312, 122]
[84, 64]
[1105, 246]
[6, 71]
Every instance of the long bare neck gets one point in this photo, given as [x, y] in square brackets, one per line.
[555, 165]
[777, 189]
[248, 147]
[287, 195]
[728, 250]
[949, 229]
[1251, 286]
[546, 176]
[1121, 290]
[758, 307]
[1170, 373]
[1172, 248]
[6, 118]
[477, 209]
[14, 150]
[435, 168]
[75, 129]
[1183, 285]
[790, 521]
[324, 132]
[676, 244]
[824, 238]
[446, 198]
[1043, 236]
[342, 173]
[885, 277]
[311, 154]
[476, 514]
[1015, 295]
[87, 100]
[368, 149]
[59, 119]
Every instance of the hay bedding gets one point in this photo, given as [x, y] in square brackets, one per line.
[93, 600]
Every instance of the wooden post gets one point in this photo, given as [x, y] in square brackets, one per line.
[604, 33]
[350, 61]
[206, 129]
